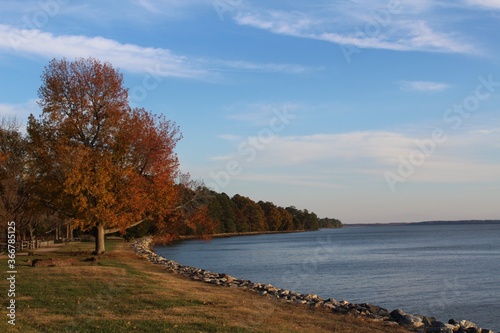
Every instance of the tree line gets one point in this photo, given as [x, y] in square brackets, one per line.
[93, 163]
[240, 214]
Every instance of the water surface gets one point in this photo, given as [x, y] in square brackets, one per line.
[446, 271]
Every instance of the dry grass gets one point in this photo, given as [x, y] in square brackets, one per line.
[126, 294]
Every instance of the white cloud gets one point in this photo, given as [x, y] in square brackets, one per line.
[488, 4]
[102, 12]
[301, 180]
[20, 111]
[423, 86]
[169, 6]
[129, 57]
[344, 158]
[125, 56]
[363, 29]
[246, 66]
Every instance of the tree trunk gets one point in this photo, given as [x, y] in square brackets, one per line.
[31, 231]
[69, 231]
[99, 240]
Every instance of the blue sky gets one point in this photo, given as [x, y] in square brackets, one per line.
[367, 111]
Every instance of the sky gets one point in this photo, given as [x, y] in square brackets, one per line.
[367, 111]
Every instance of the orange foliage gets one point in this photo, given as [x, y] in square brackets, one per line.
[98, 161]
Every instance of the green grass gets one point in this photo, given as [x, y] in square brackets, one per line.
[87, 301]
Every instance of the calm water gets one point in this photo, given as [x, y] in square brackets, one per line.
[446, 271]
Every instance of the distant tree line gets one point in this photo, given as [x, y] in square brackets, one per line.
[326, 222]
[240, 214]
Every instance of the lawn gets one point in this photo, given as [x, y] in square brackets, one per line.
[123, 293]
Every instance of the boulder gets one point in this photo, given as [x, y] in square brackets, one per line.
[474, 330]
[428, 321]
[371, 309]
[465, 324]
[411, 321]
[229, 278]
[440, 327]
[332, 303]
[310, 297]
[397, 314]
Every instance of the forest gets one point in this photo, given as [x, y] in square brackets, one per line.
[240, 214]
[90, 163]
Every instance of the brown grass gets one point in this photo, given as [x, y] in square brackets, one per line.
[124, 293]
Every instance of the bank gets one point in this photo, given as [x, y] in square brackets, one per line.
[416, 323]
[122, 292]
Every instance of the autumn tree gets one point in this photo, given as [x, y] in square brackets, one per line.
[97, 161]
[223, 211]
[190, 217]
[14, 189]
[272, 215]
[250, 214]
[311, 220]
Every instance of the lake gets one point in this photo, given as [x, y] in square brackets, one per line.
[445, 271]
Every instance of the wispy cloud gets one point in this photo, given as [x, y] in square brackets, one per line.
[125, 56]
[423, 86]
[246, 66]
[399, 33]
[130, 57]
[467, 157]
[104, 12]
[261, 114]
[171, 9]
[488, 4]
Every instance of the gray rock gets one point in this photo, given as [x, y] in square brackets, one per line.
[467, 324]
[484, 330]
[397, 314]
[411, 321]
[440, 328]
[428, 321]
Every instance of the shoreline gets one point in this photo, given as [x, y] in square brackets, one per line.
[144, 248]
[437, 222]
[247, 233]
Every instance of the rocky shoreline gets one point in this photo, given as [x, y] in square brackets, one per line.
[417, 323]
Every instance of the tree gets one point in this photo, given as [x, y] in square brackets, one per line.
[272, 215]
[297, 217]
[97, 161]
[286, 220]
[222, 211]
[191, 215]
[228, 212]
[249, 214]
[330, 223]
[311, 221]
[14, 189]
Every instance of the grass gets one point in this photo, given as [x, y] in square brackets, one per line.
[124, 293]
